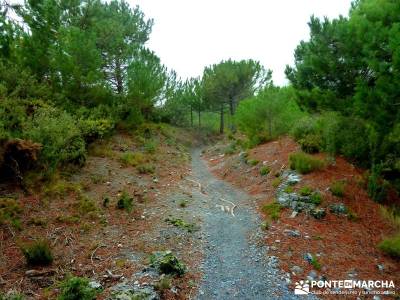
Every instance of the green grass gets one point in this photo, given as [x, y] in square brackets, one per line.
[12, 296]
[253, 162]
[10, 211]
[76, 288]
[265, 225]
[97, 178]
[231, 149]
[132, 158]
[37, 253]
[146, 169]
[61, 188]
[264, 170]
[311, 143]
[276, 182]
[37, 221]
[101, 150]
[315, 263]
[150, 146]
[272, 210]
[289, 189]
[181, 224]
[306, 191]
[68, 219]
[165, 283]
[392, 215]
[125, 202]
[86, 205]
[316, 198]
[183, 203]
[337, 188]
[352, 216]
[391, 246]
[305, 163]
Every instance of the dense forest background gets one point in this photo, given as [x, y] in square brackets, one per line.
[72, 72]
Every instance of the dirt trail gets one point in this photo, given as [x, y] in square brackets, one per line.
[236, 264]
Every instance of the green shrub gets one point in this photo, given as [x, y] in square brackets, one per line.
[353, 139]
[253, 162]
[315, 263]
[306, 191]
[167, 263]
[61, 139]
[95, 129]
[391, 246]
[231, 149]
[311, 143]
[264, 170]
[132, 158]
[337, 188]
[273, 210]
[12, 296]
[14, 117]
[305, 163]
[10, 211]
[106, 201]
[348, 136]
[125, 202]
[86, 205]
[377, 187]
[268, 115]
[316, 198]
[60, 188]
[303, 127]
[37, 253]
[336, 134]
[146, 169]
[130, 116]
[76, 288]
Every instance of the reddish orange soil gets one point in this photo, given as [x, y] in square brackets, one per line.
[103, 240]
[345, 246]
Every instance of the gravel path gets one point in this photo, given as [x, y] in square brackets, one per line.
[236, 264]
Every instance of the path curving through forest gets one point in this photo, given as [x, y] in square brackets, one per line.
[236, 264]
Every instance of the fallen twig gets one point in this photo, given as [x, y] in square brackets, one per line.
[332, 172]
[113, 276]
[233, 205]
[94, 251]
[11, 231]
[199, 184]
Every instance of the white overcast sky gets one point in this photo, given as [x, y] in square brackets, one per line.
[190, 34]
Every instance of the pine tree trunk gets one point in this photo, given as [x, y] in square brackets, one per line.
[232, 112]
[221, 125]
[199, 118]
[191, 116]
[118, 77]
